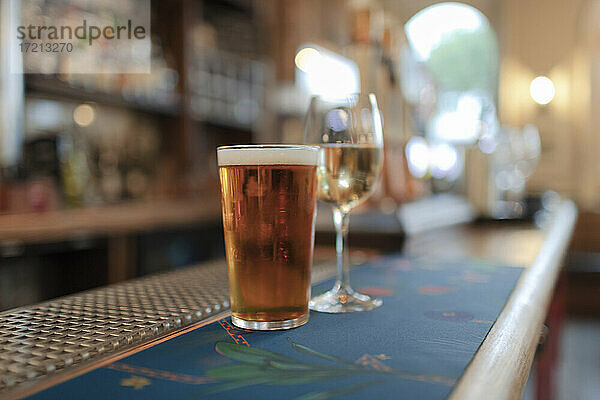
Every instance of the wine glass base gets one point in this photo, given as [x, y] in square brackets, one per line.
[343, 301]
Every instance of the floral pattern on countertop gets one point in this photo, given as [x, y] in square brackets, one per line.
[435, 315]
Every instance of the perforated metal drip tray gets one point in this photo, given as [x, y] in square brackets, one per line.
[44, 339]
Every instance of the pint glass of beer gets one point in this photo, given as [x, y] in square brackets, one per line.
[268, 198]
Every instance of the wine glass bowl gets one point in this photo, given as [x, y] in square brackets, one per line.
[350, 135]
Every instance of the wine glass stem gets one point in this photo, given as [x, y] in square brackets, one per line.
[340, 220]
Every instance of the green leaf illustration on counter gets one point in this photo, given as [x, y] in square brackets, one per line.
[259, 366]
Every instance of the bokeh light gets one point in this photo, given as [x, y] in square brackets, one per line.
[417, 154]
[542, 90]
[443, 160]
[307, 58]
[324, 73]
[84, 115]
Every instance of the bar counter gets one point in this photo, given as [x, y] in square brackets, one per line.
[45, 344]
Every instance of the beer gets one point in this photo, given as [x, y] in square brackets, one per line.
[347, 173]
[268, 196]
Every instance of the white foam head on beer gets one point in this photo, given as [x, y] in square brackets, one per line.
[266, 155]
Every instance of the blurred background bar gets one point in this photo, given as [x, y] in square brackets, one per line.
[489, 109]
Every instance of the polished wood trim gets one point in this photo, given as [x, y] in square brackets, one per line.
[501, 366]
[117, 219]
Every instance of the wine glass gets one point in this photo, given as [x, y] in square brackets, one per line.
[350, 135]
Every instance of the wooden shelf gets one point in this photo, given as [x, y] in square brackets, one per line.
[52, 87]
[239, 5]
[222, 123]
[121, 219]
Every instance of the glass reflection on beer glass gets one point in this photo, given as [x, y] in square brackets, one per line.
[268, 197]
[350, 135]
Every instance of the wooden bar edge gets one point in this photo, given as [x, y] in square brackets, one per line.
[500, 368]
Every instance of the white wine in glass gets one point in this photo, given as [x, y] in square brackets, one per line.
[350, 135]
[347, 173]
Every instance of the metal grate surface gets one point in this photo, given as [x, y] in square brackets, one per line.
[43, 339]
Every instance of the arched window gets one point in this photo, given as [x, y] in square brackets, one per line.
[458, 48]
